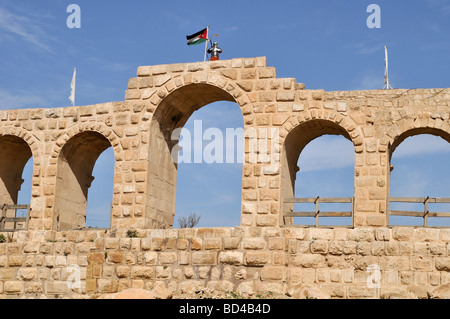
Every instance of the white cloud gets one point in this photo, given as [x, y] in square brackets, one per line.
[20, 99]
[231, 28]
[421, 144]
[327, 153]
[443, 6]
[24, 28]
[369, 82]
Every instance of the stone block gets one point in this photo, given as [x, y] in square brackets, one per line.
[255, 243]
[402, 233]
[442, 263]
[257, 258]
[273, 273]
[142, 272]
[13, 287]
[204, 258]
[231, 257]
[56, 287]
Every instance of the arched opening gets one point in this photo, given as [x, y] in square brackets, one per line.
[209, 177]
[317, 184]
[166, 126]
[15, 153]
[98, 209]
[75, 177]
[420, 179]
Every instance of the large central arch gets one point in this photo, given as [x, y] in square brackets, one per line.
[172, 113]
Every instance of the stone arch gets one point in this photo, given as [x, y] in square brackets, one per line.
[75, 161]
[25, 136]
[172, 111]
[297, 134]
[98, 127]
[17, 146]
[408, 128]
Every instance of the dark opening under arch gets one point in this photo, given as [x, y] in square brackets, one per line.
[74, 177]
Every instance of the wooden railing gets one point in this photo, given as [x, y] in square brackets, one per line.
[425, 213]
[317, 212]
[6, 219]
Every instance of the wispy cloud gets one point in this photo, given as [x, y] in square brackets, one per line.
[327, 153]
[20, 99]
[366, 48]
[368, 82]
[24, 28]
[421, 144]
[231, 29]
[443, 6]
[113, 66]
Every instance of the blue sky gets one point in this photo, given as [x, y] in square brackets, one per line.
[324, 44]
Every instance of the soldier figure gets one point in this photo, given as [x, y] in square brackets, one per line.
[214, 50]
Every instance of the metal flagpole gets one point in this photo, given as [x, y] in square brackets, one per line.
[72, 86]
[386, 70]
[206, 42]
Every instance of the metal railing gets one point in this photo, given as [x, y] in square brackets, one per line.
[317, 212]
[425, 213]
[17, 223]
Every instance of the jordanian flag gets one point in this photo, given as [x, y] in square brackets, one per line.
[197, 38]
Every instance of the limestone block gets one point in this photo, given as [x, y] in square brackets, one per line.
[319, 247]
[231, 257]
[212, 243]
[13, 287]
[361, 234]
[142, 272]
[311, 260]
[231, 242]
[273, 273]
[257, 258]
[267, 220]
[167, 258]
[402, 233]
[15, 261]
[285, 96]
[253, 243]
[443, 263]
[441, 292]
[107, 285]
[336, 248]
[204, 258]
[426, 234]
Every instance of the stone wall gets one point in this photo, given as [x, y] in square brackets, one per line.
[265, 253]
[413, 262]
[279, 114]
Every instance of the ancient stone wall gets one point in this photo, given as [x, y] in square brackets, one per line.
[266, 252]
[413, 263]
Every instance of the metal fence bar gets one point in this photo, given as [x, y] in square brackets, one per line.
[317, 212]
[5, 219]
[423, 200]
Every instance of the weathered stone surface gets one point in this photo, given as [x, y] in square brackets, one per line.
[136, 293]
[303, 291]
[142, 250]
[441, 292]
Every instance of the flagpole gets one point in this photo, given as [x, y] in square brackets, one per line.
[386, 70]
[72, 86]
[206, 42]
[74, 83]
